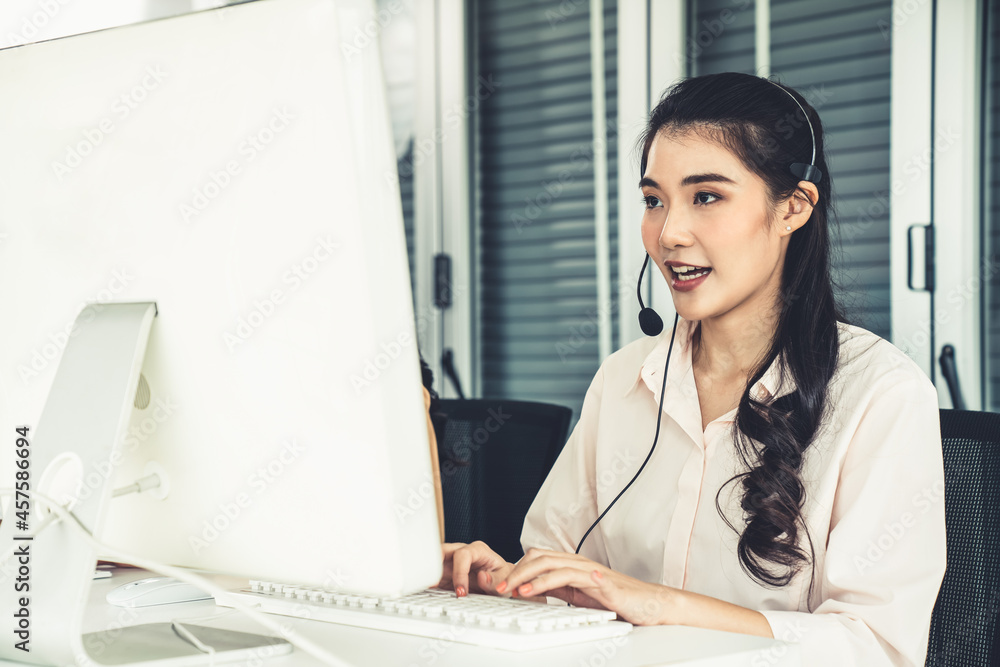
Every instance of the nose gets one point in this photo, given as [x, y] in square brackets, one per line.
[675, 232]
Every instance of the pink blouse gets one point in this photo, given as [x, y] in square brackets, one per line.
[874, 489]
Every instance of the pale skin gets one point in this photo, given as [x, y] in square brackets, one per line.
[435, 468]
[705, 222]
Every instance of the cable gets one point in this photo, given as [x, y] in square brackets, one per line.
[189, 637]
[206, 585]
[144, 484]
[46, 522]
[656, 436]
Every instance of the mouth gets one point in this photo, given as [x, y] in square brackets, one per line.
[687, 272]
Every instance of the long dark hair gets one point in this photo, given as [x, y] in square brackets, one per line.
[764, 128]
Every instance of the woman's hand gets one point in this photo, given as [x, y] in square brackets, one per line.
[476, 561]
[582, 582]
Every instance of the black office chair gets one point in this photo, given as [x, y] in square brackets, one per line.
[494, 456]
[964, 629]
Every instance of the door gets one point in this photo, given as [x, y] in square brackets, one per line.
[943, 221]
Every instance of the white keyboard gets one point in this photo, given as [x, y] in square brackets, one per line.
[482, 620]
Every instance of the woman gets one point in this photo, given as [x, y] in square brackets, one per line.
[797, 488]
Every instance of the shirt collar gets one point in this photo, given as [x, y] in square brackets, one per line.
[653, 363]
[771, 384]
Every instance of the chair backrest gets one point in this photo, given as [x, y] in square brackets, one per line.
[964, 624]
[494, 456]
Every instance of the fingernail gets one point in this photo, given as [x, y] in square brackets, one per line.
[524, 589]
[513, 593]
[501, 587]
[489, 578]
[597, 576]
[460, 591]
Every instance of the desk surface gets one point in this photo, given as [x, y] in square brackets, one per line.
[676, 645]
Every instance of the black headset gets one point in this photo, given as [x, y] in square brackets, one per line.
[652, 324]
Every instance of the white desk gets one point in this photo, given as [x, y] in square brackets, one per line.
[646, 647]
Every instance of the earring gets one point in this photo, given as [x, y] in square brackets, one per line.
[788, 229]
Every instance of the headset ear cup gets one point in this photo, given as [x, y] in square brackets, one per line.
[650, 323]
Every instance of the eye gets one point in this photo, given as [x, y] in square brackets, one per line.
[705, 194]
[652, 201]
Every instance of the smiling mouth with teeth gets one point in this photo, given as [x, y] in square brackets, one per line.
[683, 273]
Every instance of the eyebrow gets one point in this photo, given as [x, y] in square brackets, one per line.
[690, 180]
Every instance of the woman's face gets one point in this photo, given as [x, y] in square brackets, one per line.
[706, 227]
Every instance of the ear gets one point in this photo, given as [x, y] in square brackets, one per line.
[797, 209]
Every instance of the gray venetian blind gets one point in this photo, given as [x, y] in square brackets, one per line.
[991, 209]
[838, 57]
[405, 167]
[538, 293]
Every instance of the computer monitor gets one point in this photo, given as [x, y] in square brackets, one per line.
[230, 166]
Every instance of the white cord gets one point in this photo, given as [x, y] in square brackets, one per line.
[304, 643]
[189, 637]
[144, 484]
[46, 522]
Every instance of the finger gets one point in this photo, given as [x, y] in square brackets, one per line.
[451, 547]
[461, 564]
[560, 578]
[486, 581]
[575, 597]
[472, 556]
[535, 552]
[528, 569]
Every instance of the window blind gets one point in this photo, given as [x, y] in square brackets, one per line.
[537, 265]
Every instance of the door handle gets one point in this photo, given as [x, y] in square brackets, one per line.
[950, 373]
[928, 269]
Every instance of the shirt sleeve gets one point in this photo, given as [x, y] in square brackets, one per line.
[886, 551]
[566, 506]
